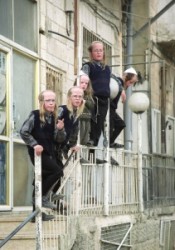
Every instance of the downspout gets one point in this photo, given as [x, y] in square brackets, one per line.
[127, 111]
[163, 108]
[76, 40]
[77, 63]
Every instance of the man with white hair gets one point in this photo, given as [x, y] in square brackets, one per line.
[116, 122]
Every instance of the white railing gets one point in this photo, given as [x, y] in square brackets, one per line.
[122, 186]
[83, 189]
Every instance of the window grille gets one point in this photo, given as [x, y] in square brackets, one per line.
[165, 234]
[88, 38]
[54, 81]
[113, 236]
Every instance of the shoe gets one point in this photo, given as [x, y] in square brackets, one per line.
[99, 161]
[45, 217]
[90, 143]
[114, 162]
[116, 145]
[56, 197]
[83, 161]
[47, 204]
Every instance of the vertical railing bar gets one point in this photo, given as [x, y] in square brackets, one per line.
[38, 204]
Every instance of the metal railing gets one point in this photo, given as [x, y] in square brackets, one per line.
[83, 187]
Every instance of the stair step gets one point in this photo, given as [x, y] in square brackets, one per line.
[9, 221]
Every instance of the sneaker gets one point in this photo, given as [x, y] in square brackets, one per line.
[116, 145]
[83, 161]
[99, 161]
[114, 162]
[47, 204]
[45, 217]
[56, 197]
[90, 143]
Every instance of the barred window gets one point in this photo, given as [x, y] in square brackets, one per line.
[54, 81]
[114, 236]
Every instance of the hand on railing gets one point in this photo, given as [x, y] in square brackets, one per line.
[76, 148]
[38, 149]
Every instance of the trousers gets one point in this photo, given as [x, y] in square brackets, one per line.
[116, 125]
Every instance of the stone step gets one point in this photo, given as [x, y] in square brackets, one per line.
[26, 237]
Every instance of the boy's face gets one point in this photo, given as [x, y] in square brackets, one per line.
[97, 52]
[49, 101]
[76, 97]
[131, 82]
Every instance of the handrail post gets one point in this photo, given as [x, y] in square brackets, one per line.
[106, 165]
[38, 204]
[140, 177]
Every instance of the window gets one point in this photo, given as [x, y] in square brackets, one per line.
[23, 87]
[3, 112]
[23, 94]
[116, 235]
[170, 135]
[167, 231]
[18, 22]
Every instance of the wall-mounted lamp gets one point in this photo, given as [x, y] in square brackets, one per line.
[69, 10]
[139, 103]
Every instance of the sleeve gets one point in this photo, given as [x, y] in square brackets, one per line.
[26, 130]
[89, 103]
[86, 69]
[59, 135]
[60, 113]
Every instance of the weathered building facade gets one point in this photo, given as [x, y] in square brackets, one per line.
[43, 45]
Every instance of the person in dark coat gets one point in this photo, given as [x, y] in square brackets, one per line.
[99, 74]
[39, 133]
[70, 113]
[117, 124]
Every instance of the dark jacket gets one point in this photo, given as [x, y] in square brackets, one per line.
[35, 132]
[100, 79]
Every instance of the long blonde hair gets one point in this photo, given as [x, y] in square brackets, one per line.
[42, 109]
[89, 91]
[69, 103]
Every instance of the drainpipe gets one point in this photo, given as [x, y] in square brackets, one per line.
[127, 111]
[76, 37]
